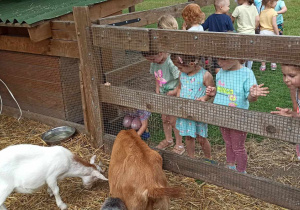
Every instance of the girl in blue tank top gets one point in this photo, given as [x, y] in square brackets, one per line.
[193, 82]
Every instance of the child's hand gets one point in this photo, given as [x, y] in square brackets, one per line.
[256, 91]
[107, 84]
[211, 91]
[283, 112]
[184, 26]
[203, 98]
[172, 92]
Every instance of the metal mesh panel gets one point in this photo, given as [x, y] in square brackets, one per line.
[133, 85]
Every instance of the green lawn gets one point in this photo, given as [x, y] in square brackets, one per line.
[279, 93]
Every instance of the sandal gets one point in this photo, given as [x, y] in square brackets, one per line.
[179, 149]
[164, 144]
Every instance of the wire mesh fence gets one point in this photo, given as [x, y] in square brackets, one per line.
[191, 94]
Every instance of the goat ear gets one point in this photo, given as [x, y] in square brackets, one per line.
[100, 176]
[92, 161]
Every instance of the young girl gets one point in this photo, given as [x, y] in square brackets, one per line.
[193, 82]
[291, 77]
[193, 18]
[268, 25]
[247, 20]
[166, 75]
[236, 87]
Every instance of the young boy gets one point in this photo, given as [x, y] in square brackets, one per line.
[219, 22]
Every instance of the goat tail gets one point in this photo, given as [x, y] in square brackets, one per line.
[173, 192]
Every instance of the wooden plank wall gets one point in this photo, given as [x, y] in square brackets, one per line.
[69, 74]
[35, 82]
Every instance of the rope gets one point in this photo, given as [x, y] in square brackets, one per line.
[12, 97]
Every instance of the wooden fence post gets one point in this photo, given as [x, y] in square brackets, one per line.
[90, 77]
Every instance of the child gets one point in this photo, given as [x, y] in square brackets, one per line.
[219, 22]
[247, 20]
[166, 75]
[268, 25]
[291, 77]
[280, 8]
[236, 87]
[193, 17]
[138, 120]
[193, 82]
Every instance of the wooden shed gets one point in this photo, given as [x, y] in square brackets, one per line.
[39, 56]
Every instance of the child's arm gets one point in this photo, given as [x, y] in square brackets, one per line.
[257, 21]
[274, 24]
[178, 89]
[256, 91]
[173, 92]
[143, 127]
[157, 87]
[184, 25]
[208, 82]
[211, 91]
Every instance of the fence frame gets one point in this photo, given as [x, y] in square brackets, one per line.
[153, 39]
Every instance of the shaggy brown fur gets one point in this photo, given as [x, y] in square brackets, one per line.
[135, 174]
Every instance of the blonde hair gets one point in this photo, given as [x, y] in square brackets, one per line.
[192, 14]
[167, 22]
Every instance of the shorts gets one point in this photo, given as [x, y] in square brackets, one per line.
[280, 28]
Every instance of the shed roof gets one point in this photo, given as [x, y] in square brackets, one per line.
[32, 11]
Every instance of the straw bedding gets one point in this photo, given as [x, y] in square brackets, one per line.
[199, 195]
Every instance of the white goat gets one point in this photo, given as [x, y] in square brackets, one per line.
[25, 168]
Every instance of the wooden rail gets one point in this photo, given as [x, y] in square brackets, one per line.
[264, 124]
[225, 45]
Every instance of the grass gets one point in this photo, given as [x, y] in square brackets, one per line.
[279, 94]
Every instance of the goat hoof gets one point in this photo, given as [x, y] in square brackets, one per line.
[63, 206]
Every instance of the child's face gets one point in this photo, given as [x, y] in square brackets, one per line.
[273, 4]
[186, 68]
[227, 64]
[291, 75]
[226, 7]
[159, 59]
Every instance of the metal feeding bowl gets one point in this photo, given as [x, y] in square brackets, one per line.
[58, 135]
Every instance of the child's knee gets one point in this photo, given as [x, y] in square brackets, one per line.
[127, 121]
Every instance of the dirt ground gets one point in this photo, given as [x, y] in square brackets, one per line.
[276, 156]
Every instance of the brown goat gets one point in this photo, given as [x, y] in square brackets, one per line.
[135, 174]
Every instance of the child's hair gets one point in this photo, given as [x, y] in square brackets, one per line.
[265, 2]
[291, 65]
[149, 53]
[219, 3]
[186, 59]
[167, 22]
[192, 14]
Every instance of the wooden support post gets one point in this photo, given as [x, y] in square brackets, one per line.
[131, 9]
[90, 76]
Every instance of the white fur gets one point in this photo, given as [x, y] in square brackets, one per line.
[25, 168]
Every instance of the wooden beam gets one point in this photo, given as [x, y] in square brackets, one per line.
[117, 76]
[89, 75]
[45, 47]
[9, 111]
[261, 188]
[264, 124]
[40, 32]
[131, 9]
[64, 35]
[145, 17]
[123, 38]
[110, 7]
[63, 25]
[232, 45]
